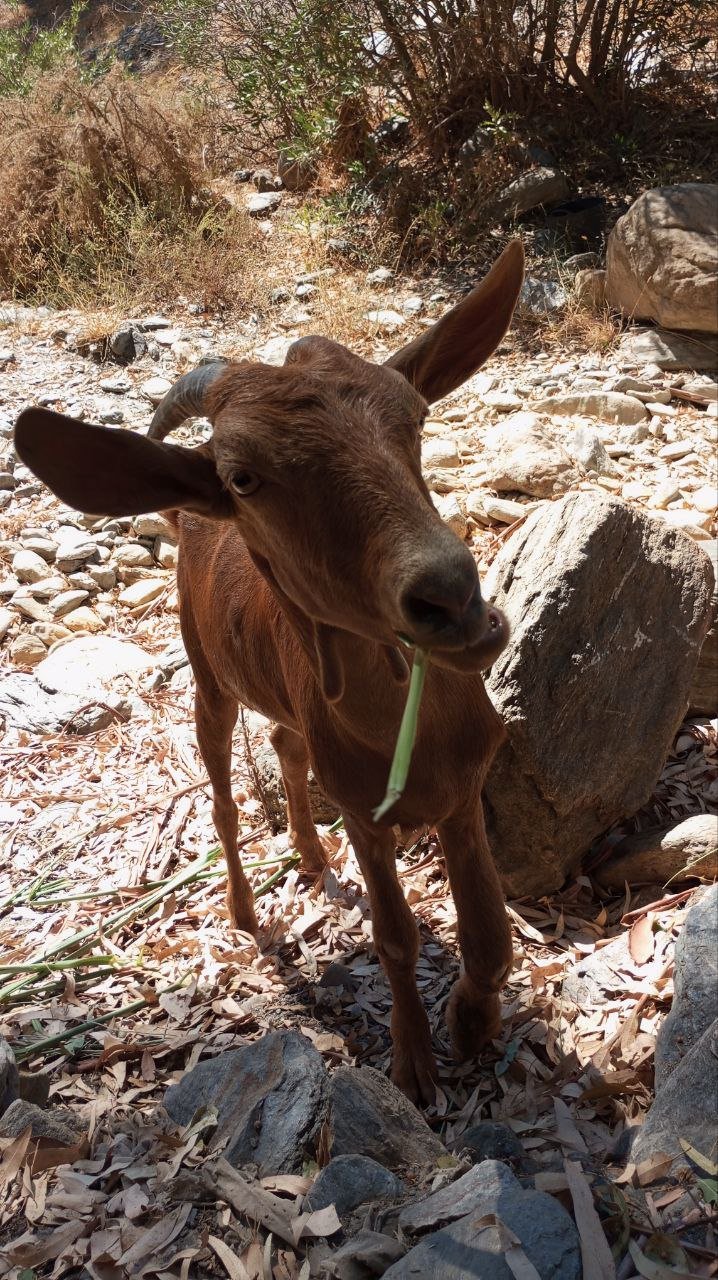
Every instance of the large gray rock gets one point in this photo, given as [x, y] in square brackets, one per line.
[662, 259]
[695, 998]
[689, 850]
[703, 697]
[490, 1140]
[608, 609]
[348, 1181]
[685, 1106]
[670, 351]
[370, 1117]
[531, 189]
[466, 1195]
[270, 1098]
[9, 1076]
[547, 1235]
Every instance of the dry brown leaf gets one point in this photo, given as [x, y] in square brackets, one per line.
[520, 1266]
[13, 1156]
[654, 1168]
[641, 939]
[568, 1134]
[322, 1222]
[596, 1255]
[233, 1265]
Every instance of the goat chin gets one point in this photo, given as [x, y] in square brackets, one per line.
[477, 657]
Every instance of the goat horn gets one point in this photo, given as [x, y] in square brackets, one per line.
[186, 399]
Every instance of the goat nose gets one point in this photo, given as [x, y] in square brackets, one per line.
[438, 606]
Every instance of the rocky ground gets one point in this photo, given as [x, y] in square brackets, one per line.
[109, 836]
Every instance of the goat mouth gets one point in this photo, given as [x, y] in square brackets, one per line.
[473, 657]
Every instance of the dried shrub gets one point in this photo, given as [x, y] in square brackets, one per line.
[103, 197]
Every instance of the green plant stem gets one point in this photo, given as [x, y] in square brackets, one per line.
[56, 966]
[399, 770]
[31, 1051]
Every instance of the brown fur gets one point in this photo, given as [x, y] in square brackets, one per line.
[291, 600]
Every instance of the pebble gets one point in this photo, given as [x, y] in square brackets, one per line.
[705, 498]
[119, 384]
[166, 553]
[28, 567]
[436, 452]
[142, 593]
[451, 513]
[382, 275]
[49, 632]
[29, 608]
[502, 401]
[7, 617]
[133, 555]
[386, 320]
[678, 449]
[27, 650]
[155, 389]
[661, 409]
[103, 577]
[42, 546]
[47, 587]
[152, 526]
[110, 416]
[413, 305]
[7, 482]
[84, 619]
[485, 507]
[65, 602]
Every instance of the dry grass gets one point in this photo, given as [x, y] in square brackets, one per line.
[105, 199]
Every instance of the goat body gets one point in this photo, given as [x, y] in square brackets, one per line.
[308, 545]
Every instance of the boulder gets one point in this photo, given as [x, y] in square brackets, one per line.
[608, 608]
[270, 1098]
[686, 851]
[348, 1181]
[24, 704]
[370, 1117]
[662, 259]
[466, 1195]
[684, 1106]
[670, 351]
[703, 697]
[472, 1247]
[695, 998]
[589, 289]
[490, 1140]
[9, 1076]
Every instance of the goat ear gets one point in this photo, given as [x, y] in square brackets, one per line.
[115, 472]
[457, 345]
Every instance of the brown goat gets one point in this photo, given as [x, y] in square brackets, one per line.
[308, 545]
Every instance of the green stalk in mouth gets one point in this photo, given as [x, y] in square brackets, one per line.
[407, 736]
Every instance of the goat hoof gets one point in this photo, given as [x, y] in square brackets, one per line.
[415, 1076]
[472, 1023]
[242, 916]
[314, 861]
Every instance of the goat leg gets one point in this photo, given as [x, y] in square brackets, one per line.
[294, 761]
[396, 938]
[215, 718]
[474, 1012]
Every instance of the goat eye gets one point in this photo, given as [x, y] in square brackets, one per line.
[244, 482]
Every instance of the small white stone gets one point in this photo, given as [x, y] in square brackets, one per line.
[66, 601]
[132, 555]
[385, 319]
[142, 593]
[451, 513]
[28, 566]
[166, 553]
[7, 617]
[84, 619]
[27, 650]
[661, 409]
[679, 449]
[705, 499]
[155, 389]
[436, 452]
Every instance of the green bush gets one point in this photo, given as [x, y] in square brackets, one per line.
[26, 50]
